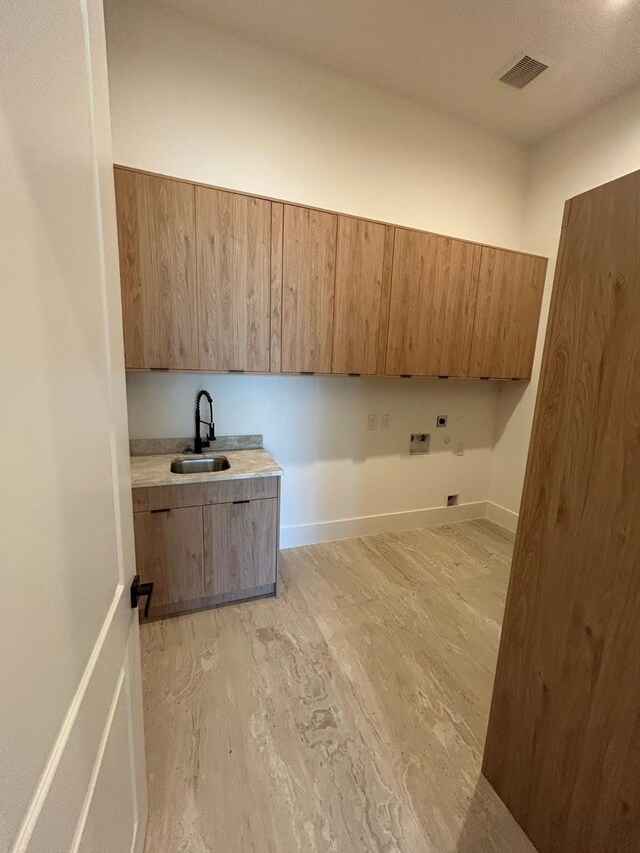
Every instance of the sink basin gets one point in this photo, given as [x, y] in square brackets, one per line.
[199, 466]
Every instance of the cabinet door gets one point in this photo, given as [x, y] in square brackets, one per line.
[240, 547]
[156, 236]
[308, 282]
[433, 289]
[510, 289]
[233, 240]
[360, 269]
[169, 552]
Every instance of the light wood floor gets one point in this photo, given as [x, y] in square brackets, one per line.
[348, 715]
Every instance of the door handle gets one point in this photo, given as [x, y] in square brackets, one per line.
[140, 590]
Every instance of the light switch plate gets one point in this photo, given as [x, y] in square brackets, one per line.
[385, 421]
[372, 422]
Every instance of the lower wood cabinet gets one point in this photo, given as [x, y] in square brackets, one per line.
[169, 551]
[240, 548]
[223, 549]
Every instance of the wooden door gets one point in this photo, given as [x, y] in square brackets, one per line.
[169, 552]
[510, 287]
[156, 236]
[363, 269]
[240, 548]
[433, 289]
[234, 252]
[564, 730]
[308, 282]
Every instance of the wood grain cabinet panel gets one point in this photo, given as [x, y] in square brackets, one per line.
[156, 236]
[433, 290]
[564, 730]
[240, 547]
[169, 552]
[217, 280]
[308, 283]
[510, 287]
[360, 267]
[200, 494]
[234, 280]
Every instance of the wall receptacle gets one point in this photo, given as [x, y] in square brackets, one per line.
[420, 442]
[372, 422]
[385, 421]
[460, 448]
[441, 421]
[452, 500]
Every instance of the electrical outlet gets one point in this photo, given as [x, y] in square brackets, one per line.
[420, 442]
[452, 500]
[460, 448]
[441, 421]
[385, 421]
[372, 422]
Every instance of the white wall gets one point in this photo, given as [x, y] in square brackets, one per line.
[596, 149]
[316, 427]
[189, 101]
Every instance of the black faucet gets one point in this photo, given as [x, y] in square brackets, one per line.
[198, 443]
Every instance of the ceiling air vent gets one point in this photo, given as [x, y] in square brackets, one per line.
[523, 72]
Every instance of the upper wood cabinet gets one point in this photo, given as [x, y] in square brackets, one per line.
[363, 269]
[233, 261]
[510, 287]
[308, 284]
[156, 236]
[433, 292]
[225, 281]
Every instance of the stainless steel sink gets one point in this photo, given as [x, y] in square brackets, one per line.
[199, 466]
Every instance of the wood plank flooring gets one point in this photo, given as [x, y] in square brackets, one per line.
[349, 715]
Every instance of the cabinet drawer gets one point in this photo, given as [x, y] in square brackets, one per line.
[240, 547]
[203, 494]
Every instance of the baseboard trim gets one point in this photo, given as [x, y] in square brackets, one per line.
[502, 516]
[346, 528]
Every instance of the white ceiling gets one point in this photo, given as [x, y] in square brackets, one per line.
[448, 54]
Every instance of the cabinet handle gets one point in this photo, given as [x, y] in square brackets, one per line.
[160, 510]
[140, 590]
[242, 502]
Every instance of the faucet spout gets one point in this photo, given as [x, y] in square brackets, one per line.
[198, 442]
